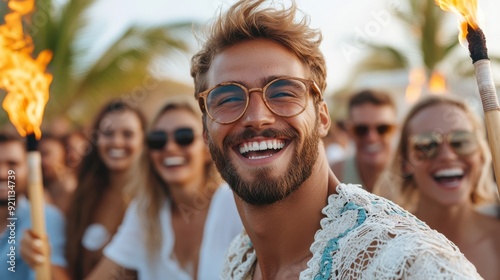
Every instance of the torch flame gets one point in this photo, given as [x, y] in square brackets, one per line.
[22, 77]
[466, 10]
[437, 83]
[416, 80]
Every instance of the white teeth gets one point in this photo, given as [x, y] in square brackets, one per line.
[117, 153]
[255, 146]
[259, 157]
[449, 172]
[174, 161]
[261, 146]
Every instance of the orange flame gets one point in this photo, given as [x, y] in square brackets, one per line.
[437, 83]
[416, 82]
[466, 10]
[23, 78]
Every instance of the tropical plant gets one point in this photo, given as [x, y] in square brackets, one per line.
[425, 22]
[83, 80]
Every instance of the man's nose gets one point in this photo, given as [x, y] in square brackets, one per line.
[257, 114]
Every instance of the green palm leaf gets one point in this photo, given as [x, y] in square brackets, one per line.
[80, 78]
[424, 22]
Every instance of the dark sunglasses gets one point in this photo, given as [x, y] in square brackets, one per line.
[362, 130]
[156, 140]
[426, 145]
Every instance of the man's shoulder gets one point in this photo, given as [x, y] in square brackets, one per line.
[361, 227]
[55, 221]
[369, 209]
[52, 213]
[357, 215]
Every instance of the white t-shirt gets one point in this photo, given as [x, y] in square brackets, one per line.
[129, 250]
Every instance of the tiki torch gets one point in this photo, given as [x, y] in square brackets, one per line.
[467, 10]
[27, 86]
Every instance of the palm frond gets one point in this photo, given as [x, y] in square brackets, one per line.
[42, 25]
[124, 65]
[382, 58]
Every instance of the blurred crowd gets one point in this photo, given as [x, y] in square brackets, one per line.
[134, 197]
[114, 194]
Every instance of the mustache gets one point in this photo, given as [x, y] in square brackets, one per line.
[250, 133]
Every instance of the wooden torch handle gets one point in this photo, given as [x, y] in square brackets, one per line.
[489, 99]
[36, 198]
[492, 119]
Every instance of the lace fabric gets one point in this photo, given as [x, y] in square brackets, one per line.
[364, 236]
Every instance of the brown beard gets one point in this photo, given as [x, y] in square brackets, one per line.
[268, 188]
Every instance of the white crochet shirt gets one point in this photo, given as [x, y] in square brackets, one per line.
[364, 236]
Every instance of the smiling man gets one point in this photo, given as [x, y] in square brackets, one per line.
[371, 124]
[259, 80]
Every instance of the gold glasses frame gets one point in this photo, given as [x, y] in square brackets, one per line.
[202, 96]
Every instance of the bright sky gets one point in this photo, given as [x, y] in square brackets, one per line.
[345, 24]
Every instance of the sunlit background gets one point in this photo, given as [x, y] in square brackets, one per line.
[140, 50]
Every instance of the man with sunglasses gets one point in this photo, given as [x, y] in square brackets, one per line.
[259, 80]
[371, 125]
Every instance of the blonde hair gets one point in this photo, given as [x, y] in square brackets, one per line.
[246, 21]
[93, 181]
[405, 192]
[151, 196]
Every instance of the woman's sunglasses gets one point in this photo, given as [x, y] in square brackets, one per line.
[157, 139]
[361, 130]
[426, 145]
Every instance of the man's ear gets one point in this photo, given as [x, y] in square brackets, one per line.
[324, 120]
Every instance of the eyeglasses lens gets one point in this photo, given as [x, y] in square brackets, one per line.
[382, 129]
[184, 136]
[426, 145]
[463, 142]
[284, 97]
[156, 140]
[361, 130]
[226, 103]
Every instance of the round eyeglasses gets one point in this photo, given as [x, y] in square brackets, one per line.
[285, 96]
[426, 145]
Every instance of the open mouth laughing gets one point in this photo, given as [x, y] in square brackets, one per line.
[449, 177]
[261, 149]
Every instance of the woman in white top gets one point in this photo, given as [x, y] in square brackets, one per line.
[445, 164]
[181, 222]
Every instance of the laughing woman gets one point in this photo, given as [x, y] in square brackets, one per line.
[445, 165]
[181, 222]
[99, 201]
